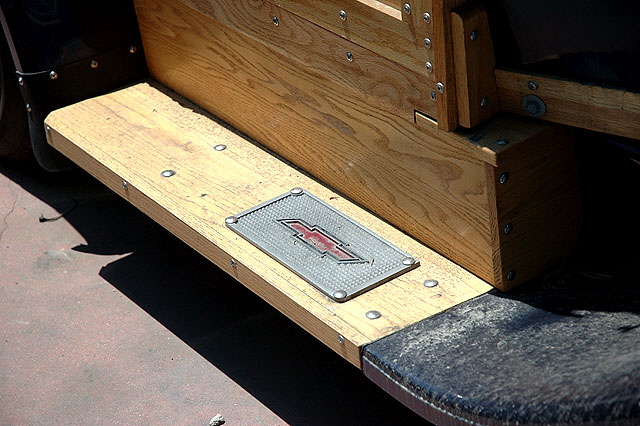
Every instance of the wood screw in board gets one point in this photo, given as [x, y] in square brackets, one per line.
[407, 8]
[343, 15]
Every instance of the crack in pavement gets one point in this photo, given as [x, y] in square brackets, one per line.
[6, 216]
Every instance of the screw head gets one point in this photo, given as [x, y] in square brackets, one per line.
[349, 57]
[47, 129]
[125, 185]
[427, 17]
[407, 8]
[220, 147]
[474, 35]
[275, 21]
[340, 339]
[297, 191]
[94, 64]
[431, 283]
[339, 294]
[511, 275]
[508, 228]
[427, 43]
[440, 87]
[343, 15]
[231, 220]
[168, 173]
[504, 177]
[408, 261]
[373, 314]
[484, 102]
[29, 109]
[433, 96]
[429, 66]
[21, 81]
[502, 142]
[533, 85]
[53, 75]
[133, 49]
[233, 263]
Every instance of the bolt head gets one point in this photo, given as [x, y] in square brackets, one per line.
[233, 263]
[94, 64]
[343, 15]
[47, 129]
[133, 49]
[341, 339]
[484, 102]
[431, 283]
[427, 17]
[429, 66]
[29, 109]
[168, 173]
[440, 87]
[220, 147]
[474, 35]
[21, 81]
[427, 43]
[53, 75]
[231, 220]
[504, 177]
[533, 85]
[433, 96]
[508, 228]
[373, 314]
[275, 21]
[408, 261]
[407, 8]
[511, 275]
[297, 191]
[339, 294]
[125, 185]
[502, 142]
[349, 57]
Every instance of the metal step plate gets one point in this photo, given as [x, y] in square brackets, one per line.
[335, 254]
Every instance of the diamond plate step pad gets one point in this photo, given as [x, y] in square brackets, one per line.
[332, 252]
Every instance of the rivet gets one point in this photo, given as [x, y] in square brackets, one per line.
[94, 64]
[168, 173]
[431, 283]
[125, 185]
[532, 85]
[433, 96]
[343, 15]
[233, 263]
[275, 21]
[511, 275]
[340, 339]
[133, 49]
[349, 56]
[508, 228]
[408, 261]
[29, 108]
[504, 177]
[297, 191]
[231, 220]
[427, 17]
[427, 43]
[440, 87]
[339, 294]
[373, 314]
[220, 147]
[21, 81]
[474, 35]
[429, 66]
[484, 102]
[502, 142]
[53, 75]
[407, 8]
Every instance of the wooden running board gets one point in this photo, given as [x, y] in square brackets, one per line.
[128, 138]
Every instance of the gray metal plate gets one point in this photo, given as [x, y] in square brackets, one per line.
[335, 254]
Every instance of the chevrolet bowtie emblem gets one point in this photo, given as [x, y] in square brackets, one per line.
[320, 240]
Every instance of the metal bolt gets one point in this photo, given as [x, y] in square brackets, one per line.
[484, 102]
[533, 85]
[233, 263]
[94, 64]
[133, 49]
[408, 261]
[474, 35]
[340, 339]
[339, 294]
[427, 17]
[275, 21]
[407, 8]
[21, 81]
[297, 191]
[429, 66]
[349, 56]
[440, 87]
[433, 96]
[427, 42]
[231, 220]
[220, 147]
[431, 283]
[502, 142]
[343, 15]
[47, 129]
[29, 108]
[125, 185]
[168, 173]
[511, 275]
[508, 228]
[53, 75]
[373, 314]
[504, 177]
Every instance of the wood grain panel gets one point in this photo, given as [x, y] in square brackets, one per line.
[427, 182]
[569, 102]
[136, 133]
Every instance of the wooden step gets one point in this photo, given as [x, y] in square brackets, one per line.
[128, 138]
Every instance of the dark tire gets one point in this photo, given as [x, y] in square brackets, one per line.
[14, 129]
